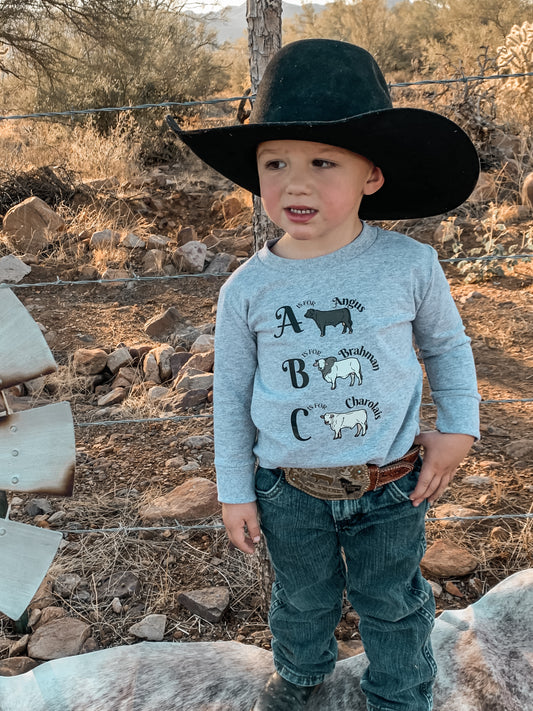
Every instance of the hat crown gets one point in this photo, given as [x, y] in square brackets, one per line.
[320, 80]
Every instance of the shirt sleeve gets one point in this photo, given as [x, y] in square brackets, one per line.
[235, 366]
[445, 349]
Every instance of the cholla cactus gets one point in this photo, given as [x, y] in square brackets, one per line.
[515, 57]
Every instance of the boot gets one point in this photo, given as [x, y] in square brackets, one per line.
[280, 695]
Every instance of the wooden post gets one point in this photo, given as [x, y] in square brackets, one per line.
[264, 40]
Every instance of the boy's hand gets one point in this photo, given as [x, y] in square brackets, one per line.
[242, 525]
[442, 455]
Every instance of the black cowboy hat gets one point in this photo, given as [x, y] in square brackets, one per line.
[334, 92]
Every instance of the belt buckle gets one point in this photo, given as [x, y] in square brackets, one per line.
[355, 480]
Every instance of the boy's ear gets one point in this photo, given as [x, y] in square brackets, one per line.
[374, 182]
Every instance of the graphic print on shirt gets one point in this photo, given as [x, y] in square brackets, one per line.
[331, 369]
[339, 368]
[357, 419]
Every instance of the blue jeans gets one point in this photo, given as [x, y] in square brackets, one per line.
[382, 536]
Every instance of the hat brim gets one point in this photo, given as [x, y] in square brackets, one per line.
[429, 163]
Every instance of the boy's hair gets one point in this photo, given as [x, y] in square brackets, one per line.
[334, 92]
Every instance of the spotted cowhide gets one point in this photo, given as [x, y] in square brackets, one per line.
[484, 654]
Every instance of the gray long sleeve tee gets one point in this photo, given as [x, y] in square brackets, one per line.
[316, 359]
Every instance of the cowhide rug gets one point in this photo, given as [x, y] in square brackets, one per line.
[484, 654]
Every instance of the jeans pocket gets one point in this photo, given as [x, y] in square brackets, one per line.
[268, 482]
[402, 488]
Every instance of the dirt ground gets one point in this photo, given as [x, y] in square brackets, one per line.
[121, 465]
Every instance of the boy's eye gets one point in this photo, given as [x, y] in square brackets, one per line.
[275, 164]
[322, 163]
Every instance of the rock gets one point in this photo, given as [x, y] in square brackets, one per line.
[520, 449]
[17, 665]
[194, 499]
[349, 649]
[204, 360]
[162, 355]
[208, 603]
[175, 462]
[452, 589]
[478, 481]
[449, 510]
[51, 613]
[445, 559]
[151, 368]
[187, 234]
[116, 606]
[190, 257]
[66, 585]
[44, 596]
[164, 324]
[436, 588]
[120, 584]
[198, 441]
[35, 386]
[203, 343]
[30, 224]
[157, 392]
[12, 269]
[527, 190]
[118, 358]
[104, 238]
[231, 207]
[485, 189]
[153, 262]
[89, 361]
[198, 381]
[222, 264]
[126, 377]
[157, 242]
[36, 507]
[88, 272]
[177, 361]
[19, 646]
[186, 400]
[151, 628]
[191, 466]
[131, 241]
[116, 276]
[113, 397]
[61, 638]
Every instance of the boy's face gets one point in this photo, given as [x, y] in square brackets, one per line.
[313, 191]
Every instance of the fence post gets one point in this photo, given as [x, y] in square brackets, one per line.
[264, 40]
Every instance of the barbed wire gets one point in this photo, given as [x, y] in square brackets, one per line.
[209, 415]
[181, 528]
[221, 100]
[205, 275]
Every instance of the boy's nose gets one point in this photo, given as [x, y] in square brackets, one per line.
[298, 184]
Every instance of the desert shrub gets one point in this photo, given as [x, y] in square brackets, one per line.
[515, 96]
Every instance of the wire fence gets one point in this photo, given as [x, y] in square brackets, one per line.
[140, 279]
[205, 102]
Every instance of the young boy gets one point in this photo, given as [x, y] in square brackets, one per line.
[317, 382]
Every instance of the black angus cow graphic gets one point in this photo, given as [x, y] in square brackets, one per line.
[331, 318]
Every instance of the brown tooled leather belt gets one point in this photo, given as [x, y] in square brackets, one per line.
[350, 482]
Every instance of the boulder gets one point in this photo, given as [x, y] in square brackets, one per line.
[190, 257]
[31, 224]
[89, 361]
[62, 638]
[152, 628]
[445, 559]
[154, 262]
[12, 269]
[163, 324]
[104, 238]
[208, 603]
[222, 264]
[195, 499]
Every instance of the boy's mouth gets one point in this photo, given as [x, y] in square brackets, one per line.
[300, 214]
